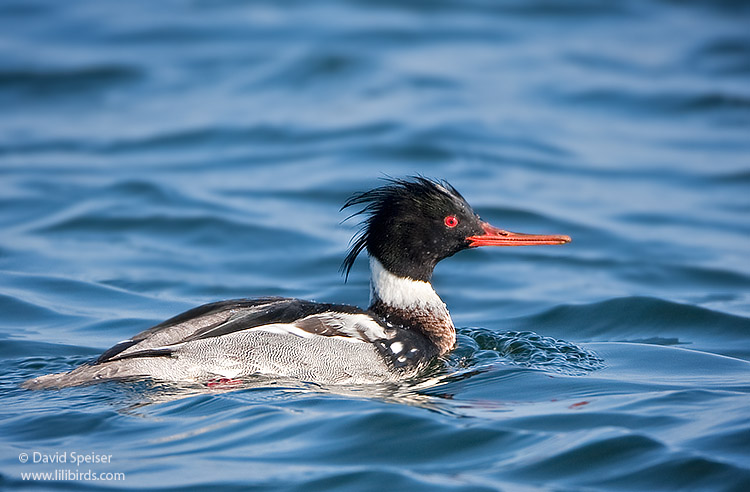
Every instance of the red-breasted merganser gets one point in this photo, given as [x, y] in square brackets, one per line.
[410, 225]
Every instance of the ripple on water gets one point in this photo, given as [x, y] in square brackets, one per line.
[641, 319]
[78, 81]
[527, 349]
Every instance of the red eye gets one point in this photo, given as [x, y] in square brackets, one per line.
[451, 221]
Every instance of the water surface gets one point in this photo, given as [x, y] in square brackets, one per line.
[156, 156]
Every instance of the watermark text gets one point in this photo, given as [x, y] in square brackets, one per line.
[71, 470]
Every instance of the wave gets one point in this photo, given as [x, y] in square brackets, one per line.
[641, 312]
[49, 83]
[479, 346]
[636, 318]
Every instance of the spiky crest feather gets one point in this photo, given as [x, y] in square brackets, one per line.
[378, 200]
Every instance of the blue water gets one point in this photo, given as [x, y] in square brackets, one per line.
[155, 156]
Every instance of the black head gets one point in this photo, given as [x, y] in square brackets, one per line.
[411, 225]
[414, 223]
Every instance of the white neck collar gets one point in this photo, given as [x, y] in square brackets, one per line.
[401, 292]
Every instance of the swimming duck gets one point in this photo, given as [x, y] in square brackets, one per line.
[409, 226]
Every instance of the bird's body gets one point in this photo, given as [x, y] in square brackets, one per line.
[411, 225]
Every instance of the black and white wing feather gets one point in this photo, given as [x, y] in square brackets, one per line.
[274, 315]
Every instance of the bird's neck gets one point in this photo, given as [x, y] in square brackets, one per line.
[412, 304]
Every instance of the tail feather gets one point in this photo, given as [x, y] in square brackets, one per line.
[83, 375]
